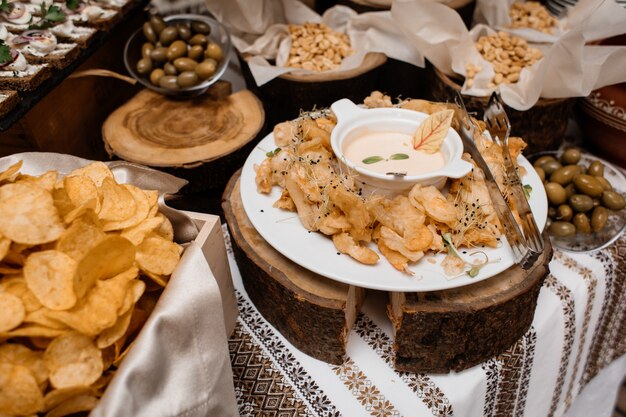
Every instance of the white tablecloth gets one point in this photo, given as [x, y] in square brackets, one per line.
[570, 362]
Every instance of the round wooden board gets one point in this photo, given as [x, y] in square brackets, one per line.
[158, 131]
[436, 331]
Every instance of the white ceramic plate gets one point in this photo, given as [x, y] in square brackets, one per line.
[316, 252]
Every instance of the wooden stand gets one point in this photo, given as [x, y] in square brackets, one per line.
[203, 140]
[314, 313]
[542, 126]
[456, 329]
[289, 93]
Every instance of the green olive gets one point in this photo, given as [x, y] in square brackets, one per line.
[581, 203]
[195, 52]
[144, 66]
[613, 200]
[552, 212]
[550, 166]
[159, 54]
[582, 169]
[570, 156]
[599, 218]
[214, 51]
[176, 50]
[200, 27]
[149, 33]
[541, 173]
[543, 160]
[185, 64]
[198, 39]
[157, 24]
[604, 183]
[156, 75]
[587, 184]
[556, 193]
[146, 50]
[205, 69]
[170, 69]
[596, 169]
[581, 221]
[564, 212]
[184, 32]
[564, 174]
[562, 229]
[188, 79]
[570, 190]
[168, 36]
[168, 81]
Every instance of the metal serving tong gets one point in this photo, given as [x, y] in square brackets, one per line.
[499, 128]
[521, 253]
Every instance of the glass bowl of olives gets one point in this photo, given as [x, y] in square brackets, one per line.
[178, 55]
[586, 199]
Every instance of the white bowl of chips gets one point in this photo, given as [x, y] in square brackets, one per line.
[392, 149]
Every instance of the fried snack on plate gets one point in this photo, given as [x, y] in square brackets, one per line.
[77, 256]
[346, 244]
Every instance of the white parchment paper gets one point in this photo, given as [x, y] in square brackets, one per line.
[570, 67]
[179, 363]
[259, 29]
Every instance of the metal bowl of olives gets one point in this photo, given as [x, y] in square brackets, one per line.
[586, 197]
[178, 55]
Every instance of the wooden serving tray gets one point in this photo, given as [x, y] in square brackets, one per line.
[435, 331]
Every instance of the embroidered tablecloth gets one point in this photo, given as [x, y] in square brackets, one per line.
[579, 329]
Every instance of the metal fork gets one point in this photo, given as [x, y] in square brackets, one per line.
[499, 128]
[510, 227]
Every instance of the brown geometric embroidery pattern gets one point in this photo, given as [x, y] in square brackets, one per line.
[591, 282]
[432, 396]
[608, 340]
[569, 317]
[364, 390]
[261, 389]
[507, 376]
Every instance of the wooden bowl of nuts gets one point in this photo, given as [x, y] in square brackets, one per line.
[319, 50]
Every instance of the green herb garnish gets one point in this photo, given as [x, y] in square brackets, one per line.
[398, 156]
[72, 4]
[447, 241]
[373, 159]
[5, 53]
[527, 189]
[6, 7]
[272, 153]
[51, 16]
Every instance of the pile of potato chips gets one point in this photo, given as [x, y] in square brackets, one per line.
[82, 263]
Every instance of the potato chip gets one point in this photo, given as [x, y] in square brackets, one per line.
[62, 201]
[5, 245]
[56, 397]
[134, 291]
[111, 256]
[165, 230]
[19, 392]
[158, 256]
[33, 331]
[42, 317]
[96, 171]
[79, 238]
[46, 180]
[138, 233]
[141, 212]
[80, 211]
[28, 214]
[111, 335]
[8, 270]
[73, 360]
[13, 311]
[17, 354]
[98, 310]
[50, 276]
[11, 172]
[159, 280]
[153, 197]
[81, 190]
[17, 286]
[117, 202]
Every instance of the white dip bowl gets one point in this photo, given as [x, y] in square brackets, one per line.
[354, 121]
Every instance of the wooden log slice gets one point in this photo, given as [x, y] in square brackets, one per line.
[542, 126]
[203, 140]
[289, 93]
[452, 330]
[314, 313]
